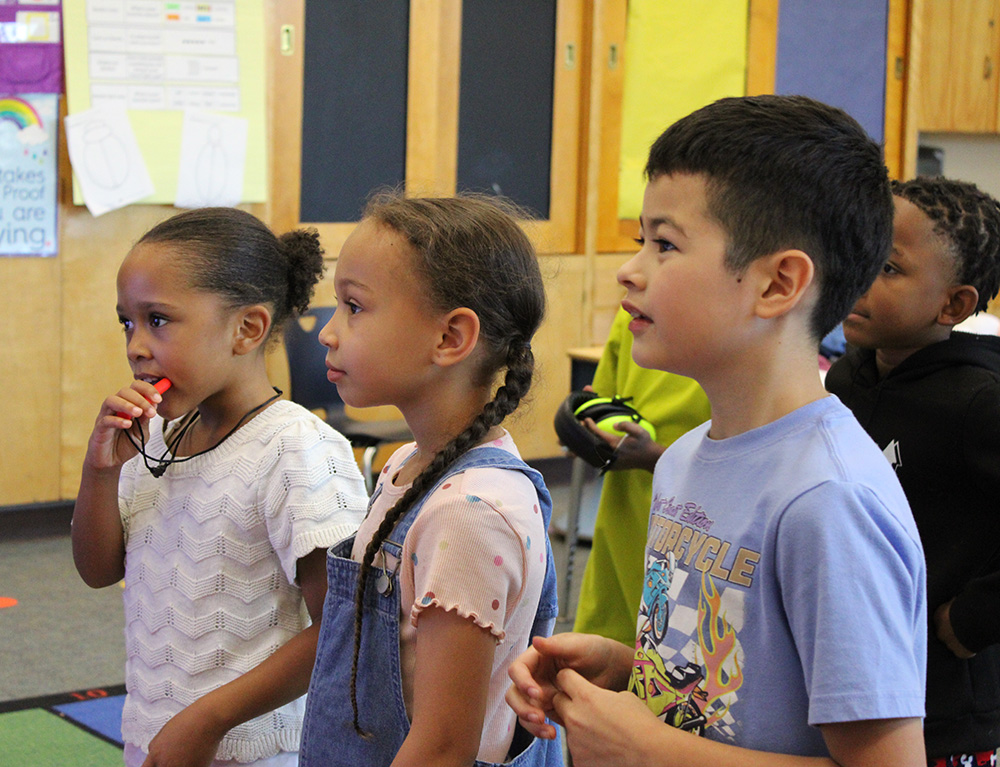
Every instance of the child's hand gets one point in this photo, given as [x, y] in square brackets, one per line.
[603, 727]
[604, 662]
[184, 741]
[945, 632]
[635, 449]
[108, 446]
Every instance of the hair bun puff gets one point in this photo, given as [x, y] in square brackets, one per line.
[304, 252]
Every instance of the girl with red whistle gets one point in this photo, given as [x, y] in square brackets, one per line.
[214, 499]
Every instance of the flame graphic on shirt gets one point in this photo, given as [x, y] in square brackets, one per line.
[717, 641]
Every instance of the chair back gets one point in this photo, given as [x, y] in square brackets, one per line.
[307, 363]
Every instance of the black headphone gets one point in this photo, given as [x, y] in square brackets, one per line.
[605, 412]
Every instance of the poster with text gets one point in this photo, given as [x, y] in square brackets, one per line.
[28, 125]
[159, 60]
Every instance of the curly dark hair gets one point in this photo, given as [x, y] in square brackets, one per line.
[969, 220]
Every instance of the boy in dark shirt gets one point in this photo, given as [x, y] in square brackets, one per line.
[930, 398]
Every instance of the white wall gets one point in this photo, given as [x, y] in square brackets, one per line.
[969, 157]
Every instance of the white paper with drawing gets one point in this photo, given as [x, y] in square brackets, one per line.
[213, 155]
[106, 158]
[161, 59]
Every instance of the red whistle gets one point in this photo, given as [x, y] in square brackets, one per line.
[161, 386]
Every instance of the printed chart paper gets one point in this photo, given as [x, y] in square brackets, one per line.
[161, 59]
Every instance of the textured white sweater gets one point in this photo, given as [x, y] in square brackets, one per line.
[210, 564]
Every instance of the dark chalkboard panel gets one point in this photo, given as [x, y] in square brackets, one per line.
[505, 100]
[354, 104]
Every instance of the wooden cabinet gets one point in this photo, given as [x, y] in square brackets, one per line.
[850, 54]
[474, 99]
[57, 323]
[644, 78]
[959, 54]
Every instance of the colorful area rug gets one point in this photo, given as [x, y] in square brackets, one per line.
[82, 729]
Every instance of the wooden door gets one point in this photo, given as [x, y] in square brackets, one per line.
[958, 55]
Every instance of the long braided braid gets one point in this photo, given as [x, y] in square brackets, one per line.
[470, 253]
[969, 220]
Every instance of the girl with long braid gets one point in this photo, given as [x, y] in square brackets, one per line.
[451, 572]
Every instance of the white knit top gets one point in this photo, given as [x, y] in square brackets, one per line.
[210, 563]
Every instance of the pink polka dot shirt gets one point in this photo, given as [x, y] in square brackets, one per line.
[477, 548]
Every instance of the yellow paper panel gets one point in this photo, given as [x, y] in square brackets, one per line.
[158, 132]
[679, 56]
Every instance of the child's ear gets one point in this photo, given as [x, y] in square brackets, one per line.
[252, 326]
[961, 305]
[784, 277]
[459, 336]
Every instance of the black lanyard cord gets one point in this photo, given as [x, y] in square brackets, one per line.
[177, 434]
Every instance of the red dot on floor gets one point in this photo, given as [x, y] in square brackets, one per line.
[7, 602]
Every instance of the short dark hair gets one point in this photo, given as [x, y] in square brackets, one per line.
[789, 172]
[969, 221]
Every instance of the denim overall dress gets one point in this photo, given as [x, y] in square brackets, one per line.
[328, 735]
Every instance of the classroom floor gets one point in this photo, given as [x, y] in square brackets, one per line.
[62, 650]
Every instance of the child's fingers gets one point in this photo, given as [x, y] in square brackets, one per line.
[593, 428]
[139, 399]
[533, 674]
[545, 731]
[529, 714]
[524, 682]
[528, 711]
[530, 697]
[572, 689]
[632, 429]
[149, 394]
[571, 683]
[123, 411]
[108, 447]
[116, 422]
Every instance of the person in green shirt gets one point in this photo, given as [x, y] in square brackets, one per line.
[674, 404]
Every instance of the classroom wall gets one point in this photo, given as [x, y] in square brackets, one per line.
[65, 352]
[969, 157]
[63, 348]
[30, 316]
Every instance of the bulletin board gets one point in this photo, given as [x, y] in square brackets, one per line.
[30, 84]
[836, 53]
[505, 109]
[28, 129]
[354, 105]
[679, 56]
[160, 60]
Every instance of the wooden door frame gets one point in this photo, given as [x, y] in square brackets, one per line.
[432, 117]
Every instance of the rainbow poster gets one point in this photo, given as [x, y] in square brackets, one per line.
[28, 124]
